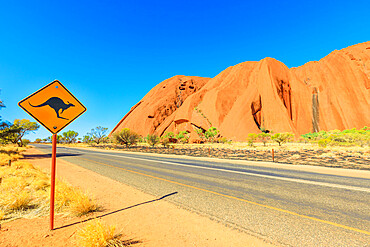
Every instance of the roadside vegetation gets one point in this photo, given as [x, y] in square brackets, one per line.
[25, 190]
[213, 137]
[96, 233]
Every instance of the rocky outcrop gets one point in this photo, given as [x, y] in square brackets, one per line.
[333, 93]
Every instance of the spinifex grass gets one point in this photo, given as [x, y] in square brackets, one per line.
[98, 234]
[25, 193]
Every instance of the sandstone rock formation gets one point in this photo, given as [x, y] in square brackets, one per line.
[333, 93]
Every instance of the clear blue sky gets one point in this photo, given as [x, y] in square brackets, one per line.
[109, 54]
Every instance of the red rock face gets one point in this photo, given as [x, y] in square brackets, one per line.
[333, 93]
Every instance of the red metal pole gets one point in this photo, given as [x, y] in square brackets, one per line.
[52, 184]
[273, 158]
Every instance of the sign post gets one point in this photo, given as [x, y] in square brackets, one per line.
[52, 184]
[54, 107]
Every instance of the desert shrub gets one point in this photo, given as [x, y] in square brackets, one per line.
[98, 234]
[169, 134]
[152, 140]
[211, 134]
[223, 140]
[323, 143]
[264, 137]
[165, 141]
[281, 138]
[25, 142]
[251, 138]
[183, 137]
[126, 137]
[200, 133]
[348, 137]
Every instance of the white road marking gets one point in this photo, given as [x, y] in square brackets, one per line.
[348, 187]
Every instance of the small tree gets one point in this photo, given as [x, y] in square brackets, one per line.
[126, 137]
[183, 136]
[211, 134]
[281, 138]
[70, 136]
[200, 133]
[152, 140]
[98, 134]
[87, 139]
[251, 138]
[60, 138]
[264, 137]
[38, 140]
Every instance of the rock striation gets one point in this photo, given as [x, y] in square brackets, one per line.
[333, 93]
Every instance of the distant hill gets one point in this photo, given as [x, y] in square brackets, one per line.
[333, 93]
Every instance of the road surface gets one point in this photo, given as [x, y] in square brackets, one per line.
[284, 206]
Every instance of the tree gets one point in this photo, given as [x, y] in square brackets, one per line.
[87, 138]
[38, 140]
[281, 138]
[98, 134]
[126, 137]
[70, 136]
[251, 138]
[152, 140]
[23, 126]
[8, 132]
[264, 137]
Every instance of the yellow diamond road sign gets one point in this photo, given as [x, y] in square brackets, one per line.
[53, 106]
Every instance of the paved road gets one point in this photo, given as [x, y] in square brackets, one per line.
[285, 207]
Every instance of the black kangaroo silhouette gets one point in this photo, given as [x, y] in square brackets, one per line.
[57, 104]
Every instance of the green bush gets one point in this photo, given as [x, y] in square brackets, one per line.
[323, 143]
[152, 140]
[126, 137]
[183, 137]
[348, 137]
[211, 134]
[169, 134]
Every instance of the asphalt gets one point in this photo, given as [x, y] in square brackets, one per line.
[283, 206]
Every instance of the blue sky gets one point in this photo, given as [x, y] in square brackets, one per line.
[109, 54]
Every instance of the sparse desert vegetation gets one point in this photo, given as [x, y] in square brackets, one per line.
[25, 190]
[346, 149]
[98, 233]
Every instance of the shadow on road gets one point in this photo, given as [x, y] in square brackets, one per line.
[47, 156]
[116, 211]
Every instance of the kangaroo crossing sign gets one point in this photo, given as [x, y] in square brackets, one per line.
[53, 106]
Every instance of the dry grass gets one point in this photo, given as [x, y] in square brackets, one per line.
[98, 234]
[25, 191]
[72, 200]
